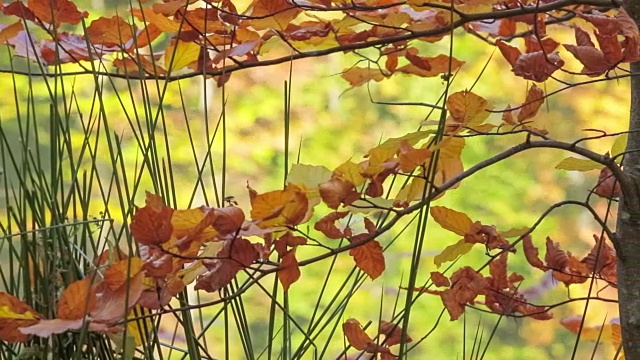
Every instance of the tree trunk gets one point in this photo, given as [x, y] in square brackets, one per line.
[628, 226]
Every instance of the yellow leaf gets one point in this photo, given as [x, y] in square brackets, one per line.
[414, 191]
[514, 232]
[370, 205]
[468, 108]
[308, 176]
[389, 148]
[619, 145]
[575, 164]
[451, 252]
[149, 16]
[180, 54]
[7, 313]
[350, 172]
[451, 220]
[357, 76]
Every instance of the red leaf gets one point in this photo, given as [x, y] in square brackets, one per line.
[56, 12]
[392, 333]
[439, 280]
[327, 225]
[537, 66]
[583, 38]
[531, 253]
[336, 192]
[511, 53]
[289, 271]
[151, 225]
[356, 336]
[608, 186]
[112, 306]
[369, 258]
[535, 98]
[236, 255]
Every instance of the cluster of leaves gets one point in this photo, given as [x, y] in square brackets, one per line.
[212, 246]
[216, 38]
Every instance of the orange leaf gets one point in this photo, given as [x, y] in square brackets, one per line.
[369, 258]
[151, 225]
[392, 333]
[236, 255]
[273, 14]
[451, 220]
[56, 12]
[150, 16]
[15, 314]
[357, 76]
[109, 31]
[112, 306]
[279, 208]
[467, 108]
[439, 280]
[337, 191]
[535, 98]
[410, 158]
[441, 64]
[531, 253]
[77, 300]
[327, 225]
[8, 32]
[118, 273]
[356, 336]
[289, 271]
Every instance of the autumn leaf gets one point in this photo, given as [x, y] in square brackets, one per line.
[336, 192]
[308, 177]
[280, 207]
[118, 273]
[151, 225]
[56, 12]
[535, 99]
[608, 186]
[454, 221]
[15, 314]
[357, 76]
[236, 255]
[77, 300]
[272, 14]
[607, 333]
[180, 54]
[531, 253]
[410, 158]
[327, 226]
[109, 31]
[392, 333]
[8, 32]
[452, 252]
[369, 258]
[350, 172]
[112, 306]
[48, 327]
[574, 164]
[467, 109]
[149, 15]
[439, 280]
[431, 66]
[355, 334]
[289, 271]
[619, 145]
